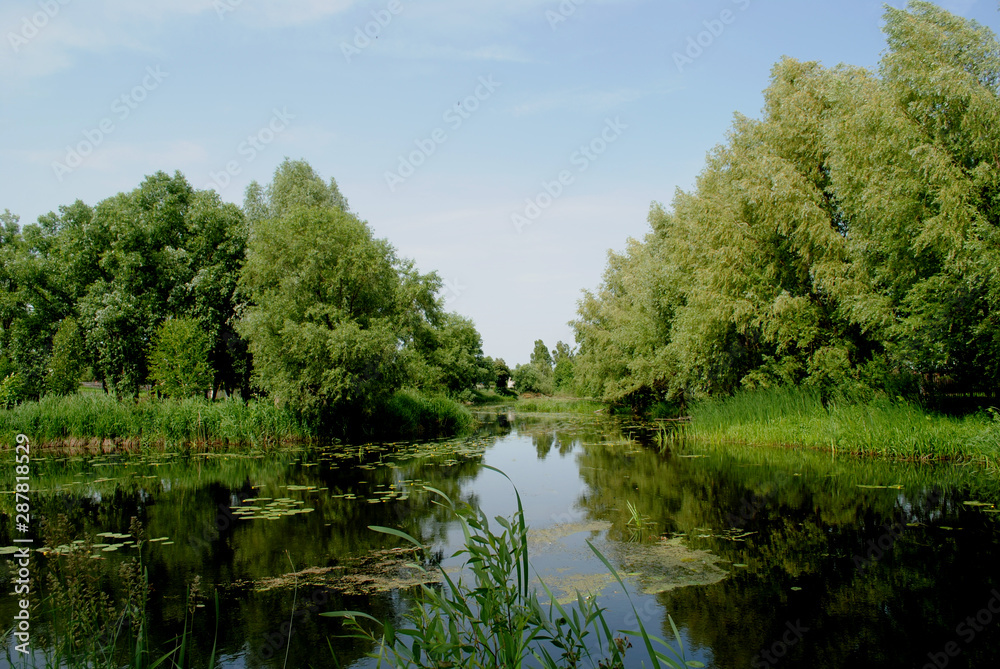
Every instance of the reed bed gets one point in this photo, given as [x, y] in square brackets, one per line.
[91, 419]
[881, 426]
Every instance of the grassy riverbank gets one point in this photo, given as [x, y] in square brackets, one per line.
[97, 421]
[558, 404]
[876, 427]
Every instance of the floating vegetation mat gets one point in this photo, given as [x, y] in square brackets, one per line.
[378, 571]
[668, 564]
[656, 566]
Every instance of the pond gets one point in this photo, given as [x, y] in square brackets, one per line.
[762, 557]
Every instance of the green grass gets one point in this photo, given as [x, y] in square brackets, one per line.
[82, 418]
[881, 426]
[411, 413]
[490, 396]
[87, 419]
[558, 405]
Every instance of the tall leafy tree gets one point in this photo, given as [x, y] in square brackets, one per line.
[324, 321]
[178, 363]
[852, 228]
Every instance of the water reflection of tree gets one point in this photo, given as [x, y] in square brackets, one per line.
[188, 501]
[809, 517]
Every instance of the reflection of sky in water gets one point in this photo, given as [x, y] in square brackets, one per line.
[550, 489]
[806, 513]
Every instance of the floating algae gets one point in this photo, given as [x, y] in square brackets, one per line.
[668, 564]
[378, 571]
[657, 567]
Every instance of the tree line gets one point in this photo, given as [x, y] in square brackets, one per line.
[289, 296]
[848, 239]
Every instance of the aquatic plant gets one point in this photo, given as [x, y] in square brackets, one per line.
[88, 419]
[90, 629]
[879, 426]
[497, 620]
[638, 524]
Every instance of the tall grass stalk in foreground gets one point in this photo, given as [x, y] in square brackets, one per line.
[498, 621]
[87, 628]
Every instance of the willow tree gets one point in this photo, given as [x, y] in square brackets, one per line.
[848, 234]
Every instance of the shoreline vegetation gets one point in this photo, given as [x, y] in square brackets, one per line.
[96, 422]
[879, 426]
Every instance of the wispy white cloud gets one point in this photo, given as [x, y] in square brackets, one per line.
[37, 44]
[117, 157]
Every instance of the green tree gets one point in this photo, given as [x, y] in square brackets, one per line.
[458, 356]
[531, 379]
[179, 360]
[325, 323]
[66, 365]
[501, 373]
[540, 356]
[854, 227]
[562, 373]
[295, 184]
[160, 251]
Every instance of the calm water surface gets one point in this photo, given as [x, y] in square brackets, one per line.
[762, 557]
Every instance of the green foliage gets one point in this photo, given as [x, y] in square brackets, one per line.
[531, 379]
[876, 426]
[562, 374]
[295, 184]
[83, 417]
[66, 364]
[409, 412]
[457, 355]
[538, 375]
[540, 356]
[11, 391]
[179, 361]
[337, 323]
[497, 620]
[323, 327]
[501, 373]
[854, 224]
[558, 405]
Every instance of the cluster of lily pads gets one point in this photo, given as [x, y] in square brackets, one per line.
[115, 542]
[267, 508]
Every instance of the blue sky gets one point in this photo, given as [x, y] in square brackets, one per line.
[574, 116]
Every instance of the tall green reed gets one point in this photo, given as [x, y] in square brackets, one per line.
[498, 620]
